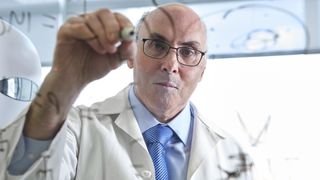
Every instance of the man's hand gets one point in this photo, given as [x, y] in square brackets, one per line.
[87, 49]
[86, 46]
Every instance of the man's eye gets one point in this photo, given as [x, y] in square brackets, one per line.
[158, 46]
[187, 52]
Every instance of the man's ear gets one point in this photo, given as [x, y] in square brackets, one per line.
[202, 74]
[204, 68]
[130, 63]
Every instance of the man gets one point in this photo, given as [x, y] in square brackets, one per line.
[122, 137]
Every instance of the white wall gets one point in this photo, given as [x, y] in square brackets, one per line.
[286, 89]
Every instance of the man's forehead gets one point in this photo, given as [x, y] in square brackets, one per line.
[174, 13]
[187, 42]
[174, 22]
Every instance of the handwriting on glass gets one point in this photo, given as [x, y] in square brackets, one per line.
[25, 20]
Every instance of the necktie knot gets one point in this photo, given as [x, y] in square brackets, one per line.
[158, 134]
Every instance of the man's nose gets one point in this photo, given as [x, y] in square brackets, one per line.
[170, 62]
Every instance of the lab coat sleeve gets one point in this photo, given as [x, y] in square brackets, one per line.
[57, 162]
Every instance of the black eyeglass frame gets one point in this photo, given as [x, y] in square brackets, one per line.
[171, 47]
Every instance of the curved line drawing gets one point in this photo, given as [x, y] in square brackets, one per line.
[230, 11]
[255, 38]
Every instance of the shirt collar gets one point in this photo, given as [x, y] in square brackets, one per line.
[180, 124]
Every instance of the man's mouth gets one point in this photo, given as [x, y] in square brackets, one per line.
[167, 84]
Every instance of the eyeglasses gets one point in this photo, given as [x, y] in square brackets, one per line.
[158, 49]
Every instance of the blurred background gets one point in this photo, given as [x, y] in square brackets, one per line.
[261, 84]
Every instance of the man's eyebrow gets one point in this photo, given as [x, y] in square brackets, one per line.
[192, 43]
[157, 36]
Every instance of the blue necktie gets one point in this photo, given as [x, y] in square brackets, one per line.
[156, 139]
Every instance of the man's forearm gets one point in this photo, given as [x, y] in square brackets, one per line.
[50, 108]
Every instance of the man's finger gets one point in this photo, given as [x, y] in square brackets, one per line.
[125, 25]
[110, 24]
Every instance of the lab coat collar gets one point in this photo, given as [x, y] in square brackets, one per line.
[120, 106]
[115, 105]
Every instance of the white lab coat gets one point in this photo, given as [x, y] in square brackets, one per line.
[104, 142]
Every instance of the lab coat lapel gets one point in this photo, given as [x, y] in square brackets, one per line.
[127, 122]
[137, 146]
[202, 148]
[120, 106]
[120, 110]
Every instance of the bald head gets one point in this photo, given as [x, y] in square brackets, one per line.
[178, 18]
